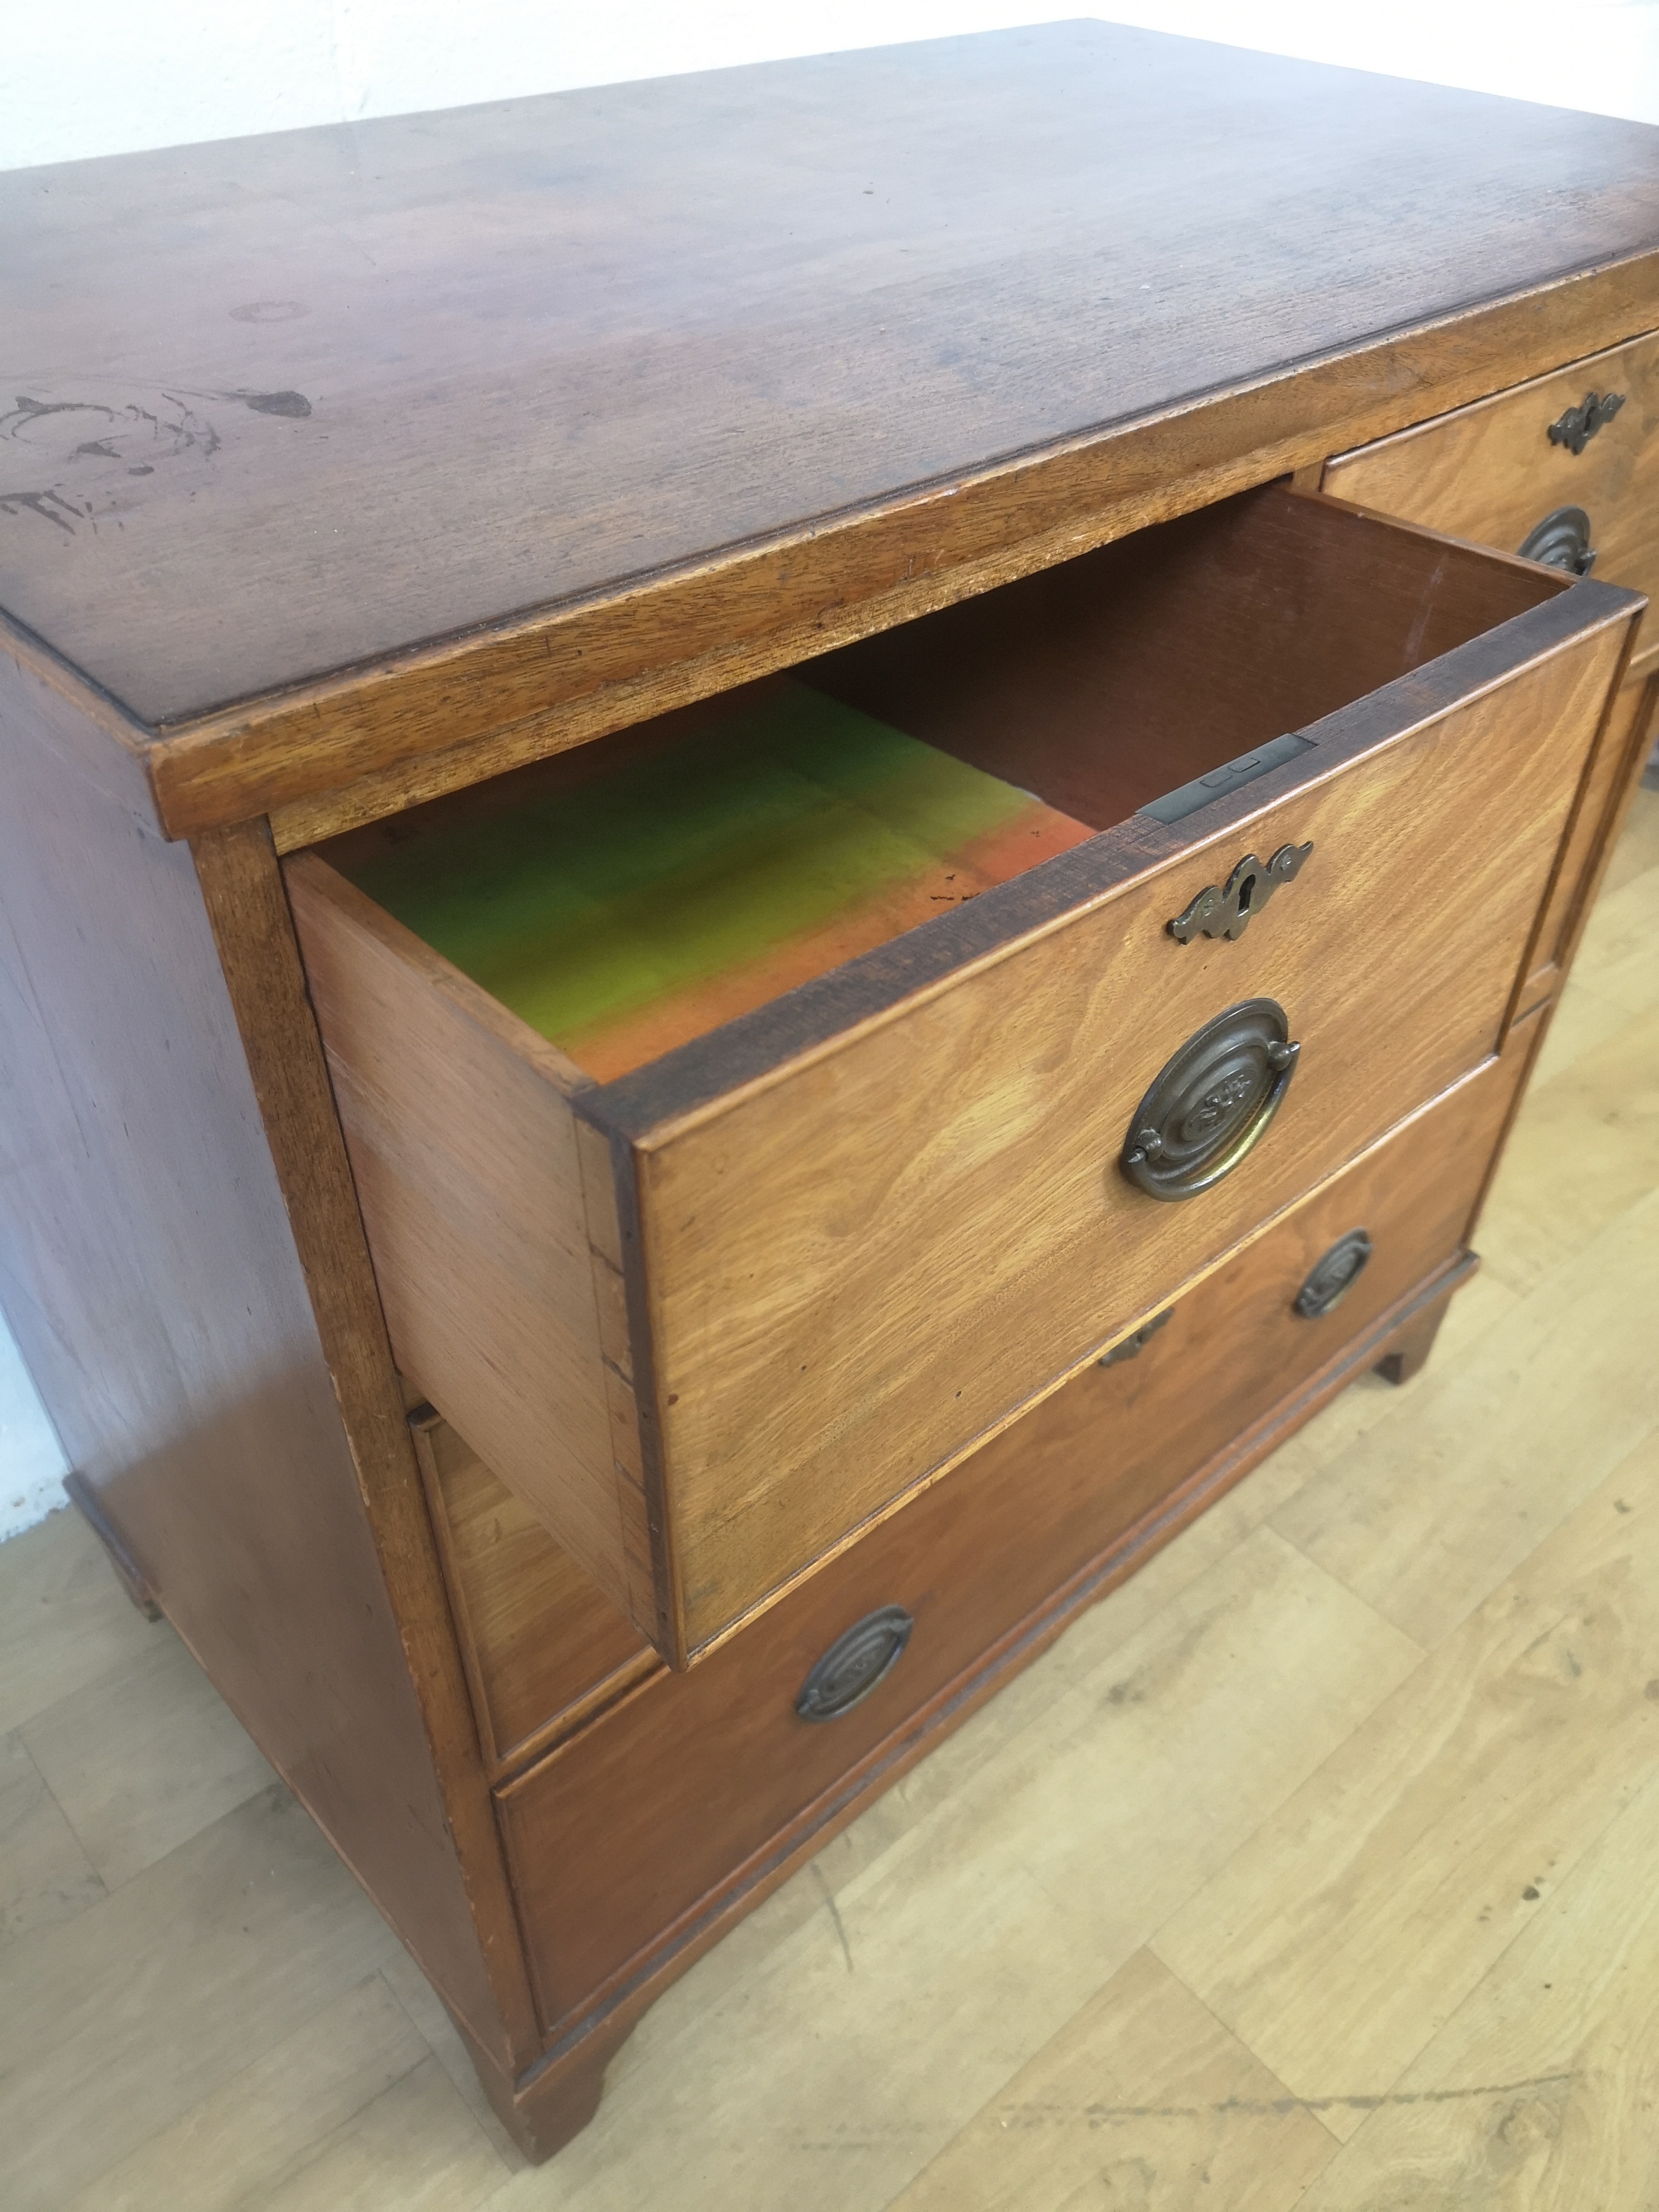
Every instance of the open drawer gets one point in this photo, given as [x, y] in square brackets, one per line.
[1300, 775]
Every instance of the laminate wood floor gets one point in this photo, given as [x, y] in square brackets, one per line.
[1315, 1867]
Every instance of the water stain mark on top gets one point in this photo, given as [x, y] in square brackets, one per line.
[50, 505]
[27, 410]
[293, 403]
[134, 436]
[173, 426]
[269, 311]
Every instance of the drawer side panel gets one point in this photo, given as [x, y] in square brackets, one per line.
[469, 1177]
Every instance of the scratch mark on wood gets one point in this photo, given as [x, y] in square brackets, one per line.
[1037, 2115]
[829, 1901]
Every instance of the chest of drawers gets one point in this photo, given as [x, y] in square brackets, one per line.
[595, 1452]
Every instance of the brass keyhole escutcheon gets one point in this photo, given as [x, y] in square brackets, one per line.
[1211, 1102]
[1224, 909]
[1578, 425]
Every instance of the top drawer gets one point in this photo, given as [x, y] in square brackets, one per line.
[1565, 466]
[712, 1314]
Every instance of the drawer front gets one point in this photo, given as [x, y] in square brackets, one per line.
[1493, 472]
[718, 1760]
[543, 1646]
[848, 1274]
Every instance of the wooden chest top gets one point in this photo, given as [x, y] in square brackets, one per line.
[328, 452]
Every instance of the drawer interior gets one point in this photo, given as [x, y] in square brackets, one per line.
[640, 891]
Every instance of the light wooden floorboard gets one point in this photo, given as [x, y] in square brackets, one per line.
[118, 2022]
[44, 1874]
[58, 1628]
[1362, 1913]
[1538, 2093]
[1638, 849]
[272, 2119]
[1425, 1515]
[1585, 1149]
[143, 1760]
[1313, 1867]
[1143, 2099]
[982, 1929]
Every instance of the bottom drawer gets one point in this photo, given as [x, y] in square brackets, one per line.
[641, 1818]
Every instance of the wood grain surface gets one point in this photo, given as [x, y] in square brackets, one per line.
[954, 2002]
[457, 1115]
[1108, 681]
[167, 1291]
[1610, 779]
[1276, 1944]
[933, 1227]
[513, 424]
[544, 1648]
[733, 1769]
[1490, 471]
[247, 910]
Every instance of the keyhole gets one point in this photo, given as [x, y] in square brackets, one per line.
[1244, 891]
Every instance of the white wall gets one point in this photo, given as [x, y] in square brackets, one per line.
[82, 77]
[31, 1459]
[99, 77]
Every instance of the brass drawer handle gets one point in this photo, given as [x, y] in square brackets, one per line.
[1224, 909]
[1211, 1102]
[1332, 1277]
[1561, 540]
[1579, 425]
[854, 1664]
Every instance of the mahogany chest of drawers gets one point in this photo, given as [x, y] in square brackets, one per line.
[779, 848]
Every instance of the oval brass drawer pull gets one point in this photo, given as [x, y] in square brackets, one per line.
[854, 1664]
[1332, 1277]
[1561, 540]
[1211, 1101]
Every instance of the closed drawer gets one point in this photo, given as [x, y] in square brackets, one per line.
[714, 1315]
[543, 1646]
[719, 1760]
[1494, 472]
